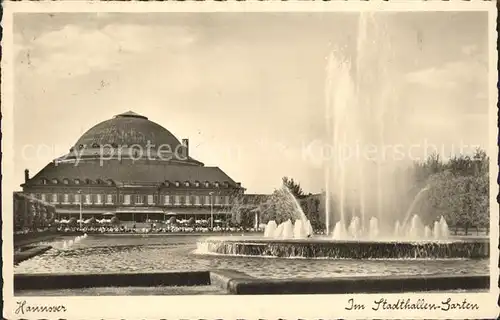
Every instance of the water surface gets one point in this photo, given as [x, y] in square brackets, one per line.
[136, 253]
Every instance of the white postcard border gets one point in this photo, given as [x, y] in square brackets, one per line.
[236, 307]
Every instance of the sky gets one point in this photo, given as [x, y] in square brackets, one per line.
[248, 90]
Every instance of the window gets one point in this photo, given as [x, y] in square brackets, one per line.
[66, 198]
[44, 181]
[54, 181]
[197, 184]
[54, 198]
[177, 184]
[207, 184]
[207, 200]
[66, 181]
[87, 199]
[98, 198]
[226, 200]
[197, 200]
[216, 184]
[150, 199]
[43, 197]
[77, 181]
[217, 200]
[177, 200]
[188, 200]
[138, 199]
[109, 198]
[186, 184]
[126, 199]
[166, 199]
[77, 198]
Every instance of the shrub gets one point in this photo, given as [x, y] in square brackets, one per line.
[73, 222]
[115, 221]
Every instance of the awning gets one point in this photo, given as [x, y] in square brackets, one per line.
[192, 211]
[77, 211]
[139, 210]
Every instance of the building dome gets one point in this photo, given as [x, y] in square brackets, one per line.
[127, 129]
[130, 136]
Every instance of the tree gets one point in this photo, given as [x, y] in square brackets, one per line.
[72, 222]
[293, 186]
[237, 205]
[458, 189]
[317, 203]
[92, 221]
[244, 217]
[242, 210]
[267, 210]
[433, 164]
[460, 192]
[172, 220]
[115, 221]
[481, 162]
[481, 200]
[461, 165]
[283, 204]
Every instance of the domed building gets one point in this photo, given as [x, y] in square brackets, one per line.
[135, 169]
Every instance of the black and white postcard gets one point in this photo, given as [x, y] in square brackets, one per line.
[250, 160]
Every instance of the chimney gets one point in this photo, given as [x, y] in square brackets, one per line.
[26, 175]
[185, 143]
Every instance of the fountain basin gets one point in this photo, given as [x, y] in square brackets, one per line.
[337, 249]
[29, 253]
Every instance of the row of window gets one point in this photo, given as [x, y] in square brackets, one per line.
[197, 184]
[151, 199]
[77, 181]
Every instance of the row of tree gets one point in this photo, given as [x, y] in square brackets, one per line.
[458, 189]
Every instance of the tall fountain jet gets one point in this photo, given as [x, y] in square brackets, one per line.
[339, 97]
[350, 124]
[363, 122]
